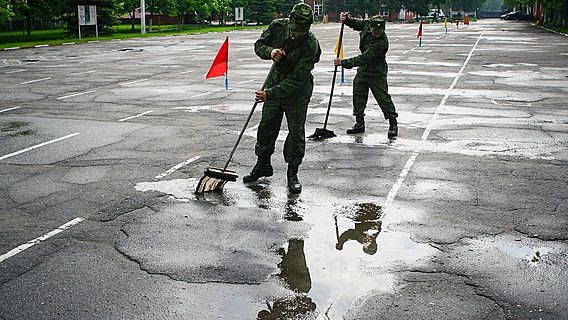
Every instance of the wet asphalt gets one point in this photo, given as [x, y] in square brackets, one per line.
[462, 216]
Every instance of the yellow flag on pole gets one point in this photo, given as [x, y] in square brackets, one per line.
[337, 48]
[446, 22]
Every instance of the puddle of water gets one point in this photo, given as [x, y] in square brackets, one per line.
[519, 147]
[347, 252]
[341, 252]
[512, 39]
[532, 256]
[426, 63]
[423, 73]
[227, 107]
[179, 189]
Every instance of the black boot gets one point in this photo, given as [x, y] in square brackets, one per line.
[359, 125]
[294, 184]
[393, 128]
[262, 168]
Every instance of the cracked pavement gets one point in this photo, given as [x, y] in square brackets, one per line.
[463, 216]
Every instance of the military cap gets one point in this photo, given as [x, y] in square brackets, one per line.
[377, 24]
[301, 18]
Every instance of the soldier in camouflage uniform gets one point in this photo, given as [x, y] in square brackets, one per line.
[371, 72]
[294, 50]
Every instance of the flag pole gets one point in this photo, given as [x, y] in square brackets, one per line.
[227, 72]
[420, 33]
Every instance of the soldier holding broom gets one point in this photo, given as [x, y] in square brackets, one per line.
[294, 50]
[371, 72]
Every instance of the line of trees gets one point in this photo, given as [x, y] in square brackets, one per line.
[33, 12]
[360, 7]
[555, 12]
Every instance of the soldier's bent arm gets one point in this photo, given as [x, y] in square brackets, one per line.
[296, 80]
[356, 24]
[262, 46]
[375, 53]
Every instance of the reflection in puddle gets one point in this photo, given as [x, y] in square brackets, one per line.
[340, 260]
[532, 255]
[338, 250]
[295, 273]
[367, 227]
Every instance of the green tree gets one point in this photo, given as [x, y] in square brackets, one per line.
[107, 13]
[129, 7]
[419, 6]
[35, 10]
[181, 8]
[223, 8]
[467, 5]
[6, 12]
[203, 10]
[159, 7]
[284, 7]
[261, 11]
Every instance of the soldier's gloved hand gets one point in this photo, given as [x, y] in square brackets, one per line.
[260, 96]
[277, 54]
[337, 62]
[344, 16]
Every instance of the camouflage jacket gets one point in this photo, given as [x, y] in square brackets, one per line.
[373, 50]
[292, 74]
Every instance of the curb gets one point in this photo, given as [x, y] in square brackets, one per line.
[40, 46]
[550, 30]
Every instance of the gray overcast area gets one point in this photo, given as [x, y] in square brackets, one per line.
[463, 216]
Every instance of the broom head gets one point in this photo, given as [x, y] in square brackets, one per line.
[322, 133]
[215, 179]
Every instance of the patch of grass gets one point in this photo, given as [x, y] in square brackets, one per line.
[59, 36]
[557, 28]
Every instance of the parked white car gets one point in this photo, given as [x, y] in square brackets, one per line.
[440, 14]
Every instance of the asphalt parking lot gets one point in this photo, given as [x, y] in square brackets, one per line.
[463, 216]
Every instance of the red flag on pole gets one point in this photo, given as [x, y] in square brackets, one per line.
[420, 29]
[220, 64]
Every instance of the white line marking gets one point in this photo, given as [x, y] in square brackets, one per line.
[246, 81]
[133, 82]
[394, 190]
[186, 72]
[41, 45]
[206, 93]
[37, 80]
[16, 71]
[136, 116]
[37, 240]
[75, 94]
[14, 108]
[37, 146]
[12, 48]
[176, 167]
[76, 73]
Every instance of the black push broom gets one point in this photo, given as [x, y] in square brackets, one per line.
[324, 133]
[216, 178]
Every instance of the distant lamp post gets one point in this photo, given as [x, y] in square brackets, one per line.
[142, 17]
